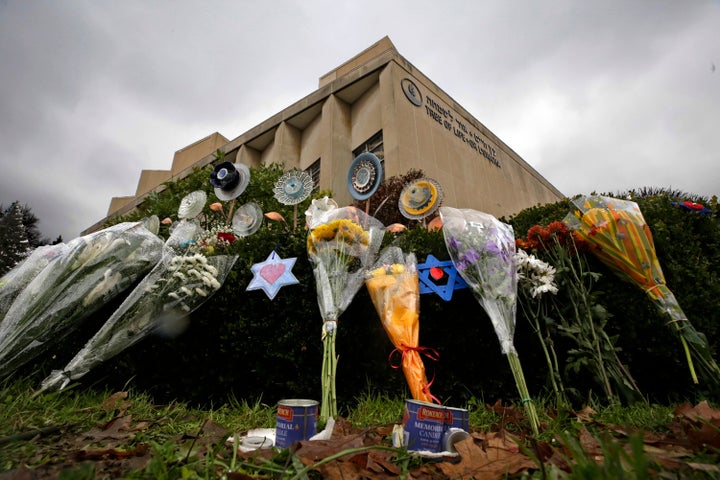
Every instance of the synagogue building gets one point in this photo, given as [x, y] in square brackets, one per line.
[375, 102]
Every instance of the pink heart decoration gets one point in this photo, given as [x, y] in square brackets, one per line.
[272, 272]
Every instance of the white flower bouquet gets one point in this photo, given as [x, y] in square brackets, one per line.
[178, 285]
[95, 268]
[15, 281]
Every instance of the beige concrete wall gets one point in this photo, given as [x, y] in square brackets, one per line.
[337, 153]
[358, 61]
[188, 156]
[311, 144]
[474, 168]
[366, 117]
[151, 179]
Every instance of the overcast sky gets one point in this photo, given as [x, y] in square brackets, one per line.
[597, 96]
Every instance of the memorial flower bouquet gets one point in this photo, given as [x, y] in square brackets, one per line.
[95, 268]
[341, 246]
[483, 251]
[178, 285]
[621, 238]
[394, 289]
[15, 281]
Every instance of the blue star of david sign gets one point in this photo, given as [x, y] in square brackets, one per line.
[439, 277]
[272, 274]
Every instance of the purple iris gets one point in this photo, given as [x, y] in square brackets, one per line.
[471, 255]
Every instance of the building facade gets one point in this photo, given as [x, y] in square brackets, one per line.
[378, 102]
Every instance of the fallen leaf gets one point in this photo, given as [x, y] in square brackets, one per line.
[497, 459]
[115, 402]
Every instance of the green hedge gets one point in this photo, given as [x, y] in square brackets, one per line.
[243, 345]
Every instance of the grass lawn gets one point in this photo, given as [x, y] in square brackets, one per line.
[84, 434]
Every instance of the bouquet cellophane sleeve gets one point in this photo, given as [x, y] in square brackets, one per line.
[394, 289]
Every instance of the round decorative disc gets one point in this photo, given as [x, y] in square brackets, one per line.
[247, 219]
[293, 187]
[192, 204]
[364, 176]
[230, 180]
[420, 198]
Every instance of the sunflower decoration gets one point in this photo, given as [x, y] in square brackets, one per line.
[420, 198]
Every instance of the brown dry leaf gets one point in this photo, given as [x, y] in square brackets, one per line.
[499, 457]
[585, 415]
[697, 427]
[701, 411]
[110, 453]
[116, 401]
[313, 451]
[118, 428]
[509, 413]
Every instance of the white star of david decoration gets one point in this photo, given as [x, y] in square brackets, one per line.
[272, 274]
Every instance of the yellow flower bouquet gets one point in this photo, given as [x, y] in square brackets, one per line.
[341, 246]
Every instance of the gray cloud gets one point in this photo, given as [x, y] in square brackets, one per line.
[597, 96]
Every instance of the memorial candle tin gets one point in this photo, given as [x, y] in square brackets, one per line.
[296, 421]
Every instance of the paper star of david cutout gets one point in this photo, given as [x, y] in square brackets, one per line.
[439, 277]
[272, 274]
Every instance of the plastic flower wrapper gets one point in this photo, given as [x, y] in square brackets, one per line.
[620, 237]
[341, 247]
[395, 291]
[178, 285]
[482, 249]
[15, 281]
[95, 269]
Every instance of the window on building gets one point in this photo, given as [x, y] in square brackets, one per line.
[373, 145]
[314, 171]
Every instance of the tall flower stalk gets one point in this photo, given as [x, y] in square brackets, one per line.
[483, 251]
[536, 279]
[342, 244]
[579, 318]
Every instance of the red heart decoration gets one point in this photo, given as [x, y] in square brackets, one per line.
[437, 273]
[272, 272]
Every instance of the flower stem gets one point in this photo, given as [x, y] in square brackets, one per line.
[328, 405]
[517, 371]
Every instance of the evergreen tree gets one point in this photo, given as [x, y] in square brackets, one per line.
[19, 234]
[14, 245]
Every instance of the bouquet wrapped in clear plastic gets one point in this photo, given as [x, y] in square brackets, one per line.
[95, 269]
[482, 249]
[395, 291]
[620, 237]
[178, 285]
[342, 244]
[15, 281]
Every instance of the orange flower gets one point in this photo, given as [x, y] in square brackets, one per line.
[216, 207]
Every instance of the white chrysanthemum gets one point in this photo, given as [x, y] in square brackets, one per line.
[535, 275]
[201, 292]
[174, 296]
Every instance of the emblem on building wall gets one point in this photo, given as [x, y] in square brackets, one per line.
[411, 92]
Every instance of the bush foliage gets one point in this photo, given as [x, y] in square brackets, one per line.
[243, 345]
